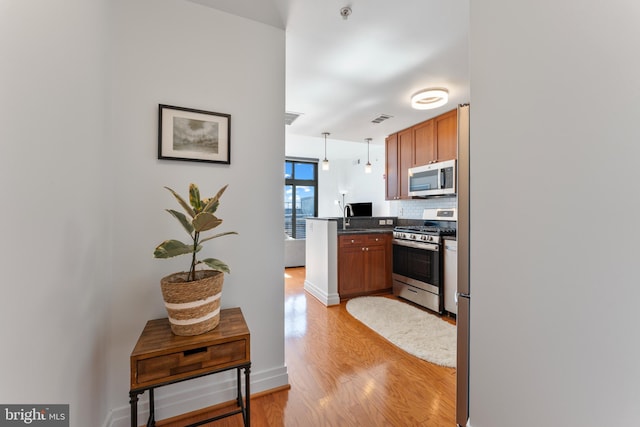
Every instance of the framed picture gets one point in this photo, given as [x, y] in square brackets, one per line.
[193, 135]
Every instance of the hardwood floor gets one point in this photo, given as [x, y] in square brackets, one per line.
[343, 374]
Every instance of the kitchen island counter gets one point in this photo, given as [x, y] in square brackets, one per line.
[321, 251]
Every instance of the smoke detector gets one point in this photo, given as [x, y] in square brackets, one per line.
[345, 12]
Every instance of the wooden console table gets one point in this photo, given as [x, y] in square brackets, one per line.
[161, 358]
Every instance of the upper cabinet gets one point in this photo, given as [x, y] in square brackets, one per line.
[425, 146]
[434, 140]
[392, 162]
[446, 130]
[399, 158]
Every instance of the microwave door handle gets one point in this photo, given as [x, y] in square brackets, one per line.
[443, 179]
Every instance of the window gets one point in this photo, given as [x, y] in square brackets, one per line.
[300, 195]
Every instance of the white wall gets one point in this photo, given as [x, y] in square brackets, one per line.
[554, 149]
[181, 53]
[84, 200]
[55, 257]
[346, 172]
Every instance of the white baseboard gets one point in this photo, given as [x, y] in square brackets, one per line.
[321, 295]
[206, 391]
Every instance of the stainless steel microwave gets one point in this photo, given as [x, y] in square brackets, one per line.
[435, 179]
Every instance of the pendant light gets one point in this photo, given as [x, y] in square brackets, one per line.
[367, 167]
[325, 162]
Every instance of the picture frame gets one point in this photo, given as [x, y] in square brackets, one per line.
[193, 135]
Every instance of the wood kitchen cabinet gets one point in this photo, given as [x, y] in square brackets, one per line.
[364, 264]
[434, 140]
[399, 158]
[392, 161]
[425, 147]
[446, 136]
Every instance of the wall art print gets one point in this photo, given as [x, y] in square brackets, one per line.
[193, 135]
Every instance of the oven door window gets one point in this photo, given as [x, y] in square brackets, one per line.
[417, 264]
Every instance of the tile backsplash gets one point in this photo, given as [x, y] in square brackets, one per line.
[412, 209]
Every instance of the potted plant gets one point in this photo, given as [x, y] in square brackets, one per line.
[192, 298]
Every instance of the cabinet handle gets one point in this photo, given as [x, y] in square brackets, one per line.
[352, 241]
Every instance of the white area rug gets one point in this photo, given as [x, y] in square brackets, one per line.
[415, 331]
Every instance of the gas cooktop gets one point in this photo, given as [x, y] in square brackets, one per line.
[426, 229]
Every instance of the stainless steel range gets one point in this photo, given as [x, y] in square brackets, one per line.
[418, 258]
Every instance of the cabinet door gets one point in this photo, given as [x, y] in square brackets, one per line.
[351, 268]
[446, 131]
[391, 146]
[405, 148]
[351, 259]
[425, 143]
[375, 268]
[378, 262]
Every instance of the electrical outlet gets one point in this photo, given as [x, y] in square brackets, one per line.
[389, 222]
[381, 222]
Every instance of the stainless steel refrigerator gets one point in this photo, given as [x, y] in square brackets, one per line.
[464, 291]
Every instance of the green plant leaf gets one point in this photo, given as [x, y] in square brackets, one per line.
[184, 204]
[217, 235]
[211, 207]
[183, 220]
[205, 221]
[216, 264]
[171, 248]
[212, 203]
[194, 198]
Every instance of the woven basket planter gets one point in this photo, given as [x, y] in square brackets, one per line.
[193, 307]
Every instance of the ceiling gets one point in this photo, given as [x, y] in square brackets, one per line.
[343, 73]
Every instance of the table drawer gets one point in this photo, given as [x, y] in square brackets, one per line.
[184, 363]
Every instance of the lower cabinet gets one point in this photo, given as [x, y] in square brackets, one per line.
[364, 264]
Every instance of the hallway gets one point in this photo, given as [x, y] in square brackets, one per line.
[343, 374]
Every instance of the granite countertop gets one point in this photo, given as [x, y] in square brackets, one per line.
[364, 225]
[364, 230]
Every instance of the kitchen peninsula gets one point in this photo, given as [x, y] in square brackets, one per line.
[347, 260]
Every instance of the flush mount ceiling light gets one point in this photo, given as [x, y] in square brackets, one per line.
[430, 98]
[325, 162]
[367, 167]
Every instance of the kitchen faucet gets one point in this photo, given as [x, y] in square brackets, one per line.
[345, 220]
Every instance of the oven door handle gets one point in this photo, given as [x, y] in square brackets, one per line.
[417, 245]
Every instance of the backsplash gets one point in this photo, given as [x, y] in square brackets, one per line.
[412, 209]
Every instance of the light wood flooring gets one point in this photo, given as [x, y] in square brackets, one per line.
[343, 374]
